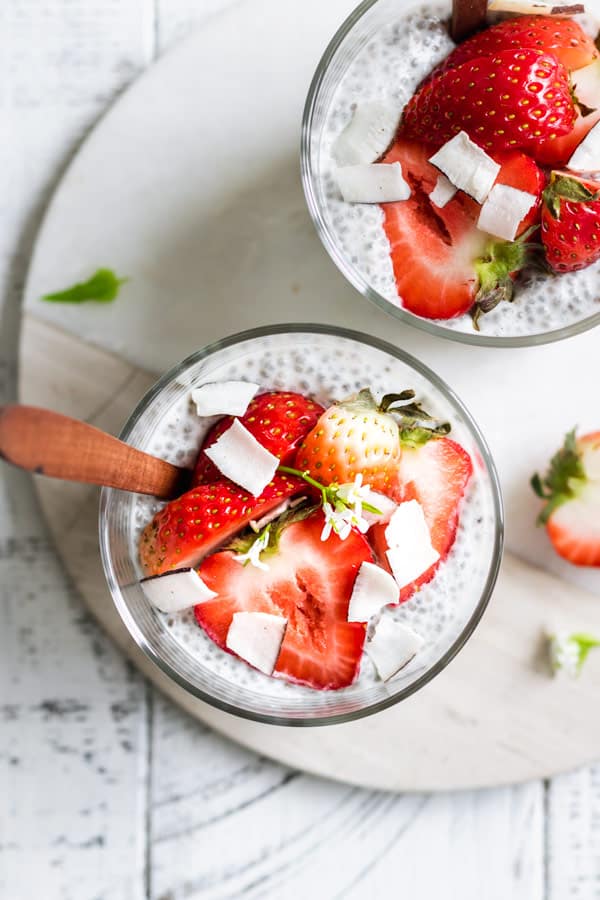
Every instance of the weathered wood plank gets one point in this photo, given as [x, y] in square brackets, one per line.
[74, 727]
[226, 823]
[573, 829]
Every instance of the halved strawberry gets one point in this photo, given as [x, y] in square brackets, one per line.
[560, 37]
[560, 151]
[436, 474]
[442, 263]
[277, 419]
[515, 99]
[199, 521]
[571, 488]
[309, 582]
[521, 172]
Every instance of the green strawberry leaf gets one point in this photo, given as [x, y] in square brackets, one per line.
[102, 287]
[563, 479]
[561, 187]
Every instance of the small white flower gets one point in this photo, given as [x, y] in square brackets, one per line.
[252, 555]
[568, 652]
[337, 520]
[354, 494]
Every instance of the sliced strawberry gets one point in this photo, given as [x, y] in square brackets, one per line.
[195, 524]
[521, 172]
[560, 37]
[560, 151]
[277, 419]
[310, 583]
[436, 474]
[571, 488]
[442, 263]
[433, 250]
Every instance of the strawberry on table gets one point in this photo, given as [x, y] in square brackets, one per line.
[515, 99]
[435, 474]
[571, 222]
[309, 582]
[277, 419]
[204, 518]
[562, 38]
[571, 489]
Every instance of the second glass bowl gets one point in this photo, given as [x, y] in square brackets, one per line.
[382, 52]
[327, 363]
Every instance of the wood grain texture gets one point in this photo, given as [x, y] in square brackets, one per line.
[48, 443]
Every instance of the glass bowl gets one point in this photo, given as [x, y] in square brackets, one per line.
[381, 52]
[329, 363]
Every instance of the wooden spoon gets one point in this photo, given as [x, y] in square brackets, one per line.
[49, 443]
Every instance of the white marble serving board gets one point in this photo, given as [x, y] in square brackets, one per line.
[180, 188]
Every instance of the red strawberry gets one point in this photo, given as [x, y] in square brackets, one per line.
[277, 419]
[310, 582]
[571, 488]
[516, 99]
[561, 38]
[442, 262]
[195, 524]
[571, 222]
[560, 151]
[521, 172]
[436, 474]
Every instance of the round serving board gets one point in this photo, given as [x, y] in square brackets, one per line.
[190, 187]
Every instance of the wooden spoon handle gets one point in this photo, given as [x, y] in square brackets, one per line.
[48, 443]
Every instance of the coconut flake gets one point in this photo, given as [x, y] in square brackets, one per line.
[392, 647]
[410, 549]
[240, 457]
[175, 591]
[467, 166]
[385, 506]
[586, 84]
[534, 8]
[224, 398]
[587, 156]
[443, 192]
[504, 210]
[368, 134]
[257, 637]
[373, 183]
[373, 589]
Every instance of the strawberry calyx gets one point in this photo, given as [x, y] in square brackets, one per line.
[251, 548]
[415, 425]
[495, 271]
[565, 187]
[563, 480]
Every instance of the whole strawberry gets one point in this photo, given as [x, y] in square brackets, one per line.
[571, 222]
[277, 419]
[562, 38]
[359, 436]
[516, 99]
[571, 489]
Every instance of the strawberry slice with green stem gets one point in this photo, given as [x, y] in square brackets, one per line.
[204, 518]
[277, 419]
[571, 490]
[309, 582]
[442, 263]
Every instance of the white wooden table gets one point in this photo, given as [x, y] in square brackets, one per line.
[108, 791]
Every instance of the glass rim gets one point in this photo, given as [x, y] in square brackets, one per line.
[348, 270]
[108, 495]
